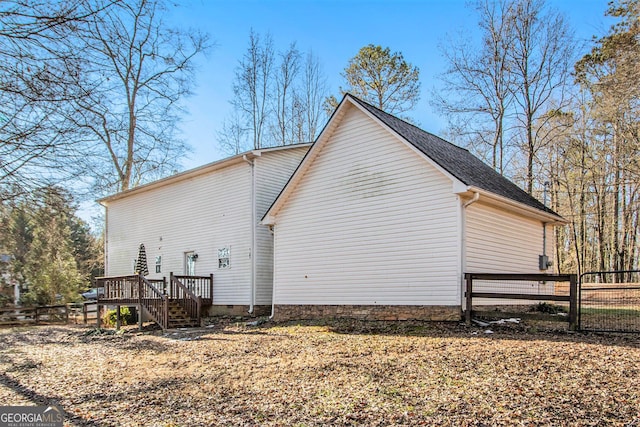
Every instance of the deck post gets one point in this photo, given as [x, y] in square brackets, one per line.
[469, 299]
[171, 285]
[211, 287]
[118, 318]
[165, 307]
[139, 302]
[199, 308]
[98, 316]
[573, 302]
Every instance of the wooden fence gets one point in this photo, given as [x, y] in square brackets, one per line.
[34, 315]
[510, 287]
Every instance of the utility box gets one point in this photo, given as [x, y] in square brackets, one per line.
[543, 262]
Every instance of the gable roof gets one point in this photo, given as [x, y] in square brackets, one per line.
[200, 170]
[457, 162]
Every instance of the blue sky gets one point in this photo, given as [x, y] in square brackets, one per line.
[335, 31]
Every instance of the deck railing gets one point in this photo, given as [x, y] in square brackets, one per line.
[137, 289]
[119, 288]
[186, 297]
[190, 292]
[154, 301]
[201, 286]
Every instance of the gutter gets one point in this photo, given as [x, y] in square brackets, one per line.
[540, 215]
[253, 233]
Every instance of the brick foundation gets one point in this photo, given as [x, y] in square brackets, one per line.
[368, 312]
[238, 310]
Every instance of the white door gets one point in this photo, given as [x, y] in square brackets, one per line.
[190, 263]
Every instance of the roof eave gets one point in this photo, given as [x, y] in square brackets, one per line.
[269, 217]
[192, 173]
[200, 170]
[510, 204]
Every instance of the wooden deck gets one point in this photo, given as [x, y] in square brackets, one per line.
[160, 298]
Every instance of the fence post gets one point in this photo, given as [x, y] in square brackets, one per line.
[573, 302]
[469, 290]
[66, 314]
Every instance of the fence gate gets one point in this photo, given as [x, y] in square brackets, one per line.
[609, 301]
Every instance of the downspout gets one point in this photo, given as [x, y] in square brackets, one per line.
[106, 240]
[253, 232]
[463, 231]
[475, 198]
[273, 281]
[544, 231]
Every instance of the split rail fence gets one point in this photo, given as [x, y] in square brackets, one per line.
[34, 315]
[520, 290]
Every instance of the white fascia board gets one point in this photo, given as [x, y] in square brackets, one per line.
[192, 173]
[270, 217]
[456, 182]
[512, 205]
[200, 170]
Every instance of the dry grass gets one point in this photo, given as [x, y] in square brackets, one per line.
[345, 373]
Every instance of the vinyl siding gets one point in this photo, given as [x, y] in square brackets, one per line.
[200, 214]
[498, 241]
[272, 171]
[370, 222]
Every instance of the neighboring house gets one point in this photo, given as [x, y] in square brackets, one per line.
[381, 220]
[205, 221]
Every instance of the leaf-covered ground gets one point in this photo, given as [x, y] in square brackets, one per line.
[340, 374]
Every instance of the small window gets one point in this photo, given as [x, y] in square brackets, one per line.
[159, 264]
[224, 257]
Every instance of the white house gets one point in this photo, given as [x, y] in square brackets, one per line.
[205, 221]
[381, 221]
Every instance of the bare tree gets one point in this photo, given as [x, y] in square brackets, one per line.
[477, 86]
[252, 87]
[610, 73]
[314, 92]
[287, 109]
[135, 72]
[232, 136]
[277, 98]
[37, 67]
[87, 84]
[539, 59]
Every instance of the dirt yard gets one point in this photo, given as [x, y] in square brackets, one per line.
[335, 374]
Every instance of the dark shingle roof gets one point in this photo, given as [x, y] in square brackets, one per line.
[459, 162]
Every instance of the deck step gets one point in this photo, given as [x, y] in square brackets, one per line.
[179, 318]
